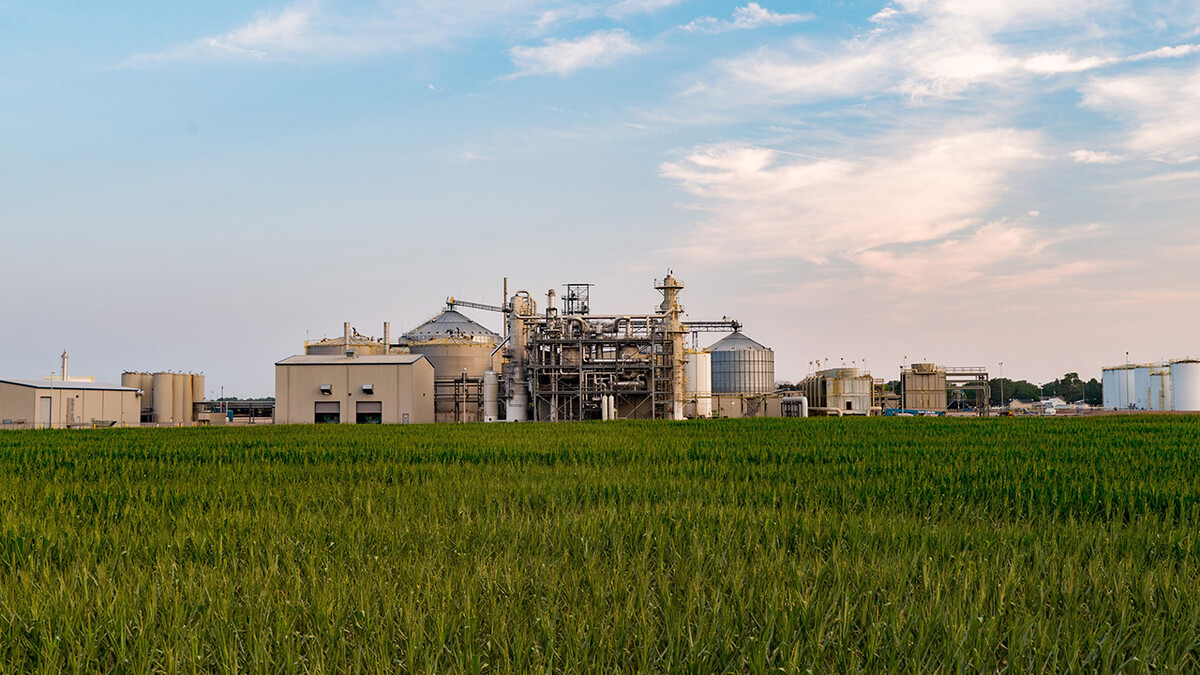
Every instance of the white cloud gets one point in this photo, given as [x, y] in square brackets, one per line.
[766, 204]
[1162, 106]
[1093, 157]
[749, 17]
[1051, 64]
[929, 49]
[629, 7]
[563, 57]
[332, 30]
[1167, 53]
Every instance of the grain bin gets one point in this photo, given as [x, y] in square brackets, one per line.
[454, 344]
[742, 366]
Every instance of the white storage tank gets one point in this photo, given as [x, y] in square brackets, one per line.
[699, 383]
[1185, 385]
[742, 366]
[1160, 389]
[1118, 389]
[1141, 387]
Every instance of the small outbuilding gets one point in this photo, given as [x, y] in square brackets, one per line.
[375, 389]
[61, 404]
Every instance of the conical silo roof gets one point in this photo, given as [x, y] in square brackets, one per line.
[450, 323]
[737, 341]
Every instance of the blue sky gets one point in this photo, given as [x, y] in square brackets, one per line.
[200, 186]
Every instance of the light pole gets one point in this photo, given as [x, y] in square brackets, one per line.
[1002, 385]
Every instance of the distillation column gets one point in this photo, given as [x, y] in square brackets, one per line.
[675, 334]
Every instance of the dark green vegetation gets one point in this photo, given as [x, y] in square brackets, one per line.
[839, 545]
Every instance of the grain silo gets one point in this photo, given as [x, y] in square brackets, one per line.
[742, 366]
[454, 344]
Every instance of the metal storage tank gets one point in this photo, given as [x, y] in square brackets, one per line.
[1185, 385]
[198, 389]
[1141, 387]
[1160, 389]
[181, 391]
[1117, 383]
[454, 343]
[699, 382]
[164, 398]
[742, 366]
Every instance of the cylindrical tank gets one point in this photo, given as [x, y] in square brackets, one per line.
[699, 382]
[742, 366]
[198, 389]
[131, 380]
[181, 391]
[450, 357]
[1160, 389]
[491, 396]
[1141, 387]
[453, 343]
[1118, 387]
[1185, 385]
[164, 398]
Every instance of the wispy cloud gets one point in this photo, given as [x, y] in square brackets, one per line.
[744, 18]
[564, 57]
[1162, 106]
[1094, 157]
[766, 204]
[626, 8]
[332, 30]
[926, 49]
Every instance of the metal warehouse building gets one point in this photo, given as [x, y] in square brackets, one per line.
[375, 389]
[61, 404]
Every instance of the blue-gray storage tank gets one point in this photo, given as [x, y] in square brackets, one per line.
[742, 366]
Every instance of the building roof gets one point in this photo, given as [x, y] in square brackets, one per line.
[449, 323]
[341, 360]
[69, 384]
[735, 341]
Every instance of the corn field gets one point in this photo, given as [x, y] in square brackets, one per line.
[833, 545]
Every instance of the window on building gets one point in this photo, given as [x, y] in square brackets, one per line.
[368, 412]
[327, 412]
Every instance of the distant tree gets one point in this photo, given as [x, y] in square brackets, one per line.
[1093, 392]
[1013, 390]
[1068, 387]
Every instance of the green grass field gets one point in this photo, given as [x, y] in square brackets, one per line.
[837, 545]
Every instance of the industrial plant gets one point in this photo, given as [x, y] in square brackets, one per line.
[557, 362]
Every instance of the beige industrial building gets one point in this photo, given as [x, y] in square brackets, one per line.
[341, 389]
[839, 391]
[63, 404]
[924, 387]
